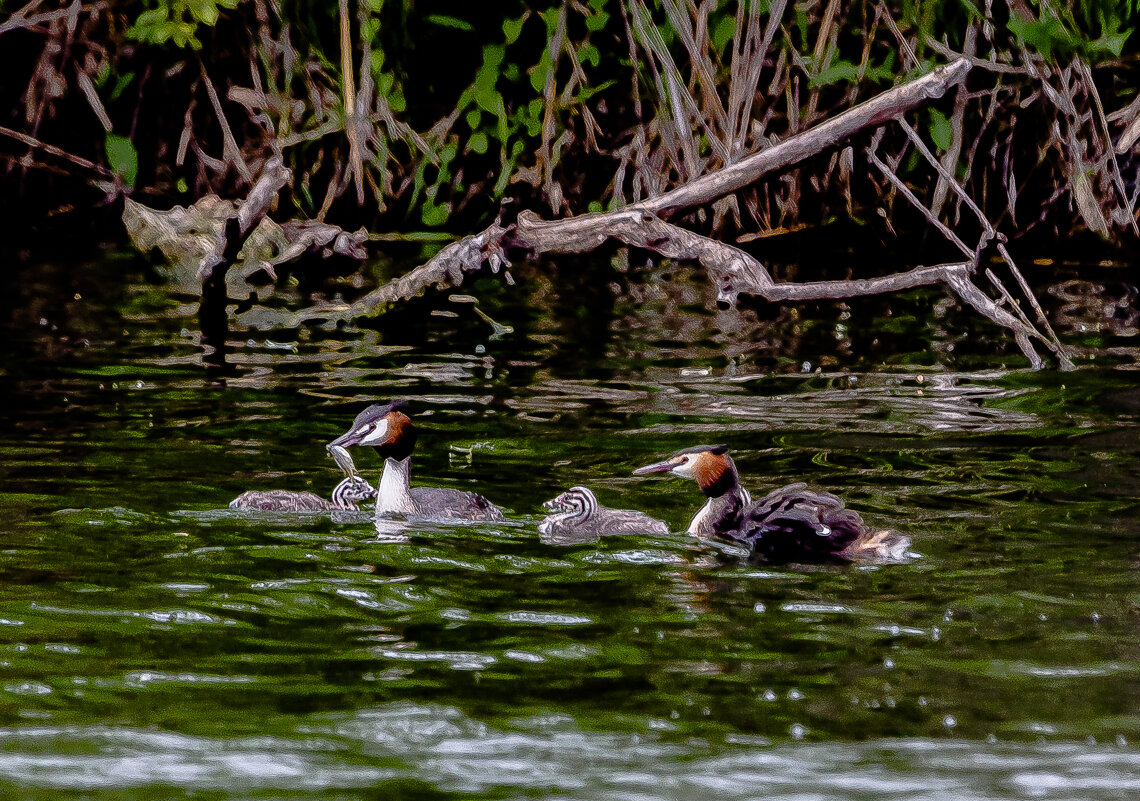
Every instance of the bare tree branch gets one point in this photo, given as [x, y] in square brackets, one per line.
[31, 141]
[230, 150]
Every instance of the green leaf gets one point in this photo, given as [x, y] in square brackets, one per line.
[540, 70]
[595, 22]
[941, 131]
[102, 74]
[973, 10]
[433, 215]
[723, 32]
[512, 28]
[1044, 36]
[486, 96]
[474, 117]
[883, 72]
[478, 142]
[122, 157]
[121, 84]
[533, 119]
[590, 54]
[1110, 44]
[204, 11]
[839, 71]
[450, 22]
[396, 100]
[586, 92]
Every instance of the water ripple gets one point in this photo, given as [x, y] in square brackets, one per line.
[452, 753]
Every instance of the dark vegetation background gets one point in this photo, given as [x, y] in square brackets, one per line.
[403, 116]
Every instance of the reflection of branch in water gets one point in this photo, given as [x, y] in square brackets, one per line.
[446, 268]
[1088, 307]
[735, 272]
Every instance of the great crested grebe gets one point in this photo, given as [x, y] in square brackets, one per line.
[348, 493]
[792, 523]
[391, 433]
[577, 517]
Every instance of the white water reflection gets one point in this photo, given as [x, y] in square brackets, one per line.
[550, 755]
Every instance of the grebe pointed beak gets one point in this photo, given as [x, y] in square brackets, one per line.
[659, 467]
[346, 440]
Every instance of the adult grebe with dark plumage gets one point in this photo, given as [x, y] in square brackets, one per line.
[792, 523]
[387, 429]
[578, 517]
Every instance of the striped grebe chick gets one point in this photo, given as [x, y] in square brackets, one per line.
[789, 524]
[350, 492]
[577, 517]
[387, 429]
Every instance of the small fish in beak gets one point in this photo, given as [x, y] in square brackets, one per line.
[343, 460]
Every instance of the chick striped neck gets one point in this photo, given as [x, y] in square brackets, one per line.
[575, 506]
[577, 502]
[351, 491]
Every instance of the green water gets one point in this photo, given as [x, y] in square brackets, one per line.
[154, 643]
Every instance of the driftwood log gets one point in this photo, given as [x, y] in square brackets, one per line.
[733, 271]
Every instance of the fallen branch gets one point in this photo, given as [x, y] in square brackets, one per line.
[733, 272]
[791, 151]
[197, 240]
[446, 268]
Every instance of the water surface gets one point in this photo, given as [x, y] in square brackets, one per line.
[153, 642]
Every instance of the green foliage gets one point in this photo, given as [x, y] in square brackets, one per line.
[941, 130]
[838, 71]
[450, 22]
[177, 21]
[122, 158]
[518, 86]
[1094, 30]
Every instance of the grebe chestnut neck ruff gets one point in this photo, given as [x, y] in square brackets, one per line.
[792, 523]
[390, 431]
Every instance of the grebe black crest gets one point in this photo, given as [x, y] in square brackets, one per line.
[792, 523]
[391, 432]
[577, 517]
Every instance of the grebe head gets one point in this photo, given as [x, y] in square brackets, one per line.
[576, 502]
[709, 465]
[384, 427]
